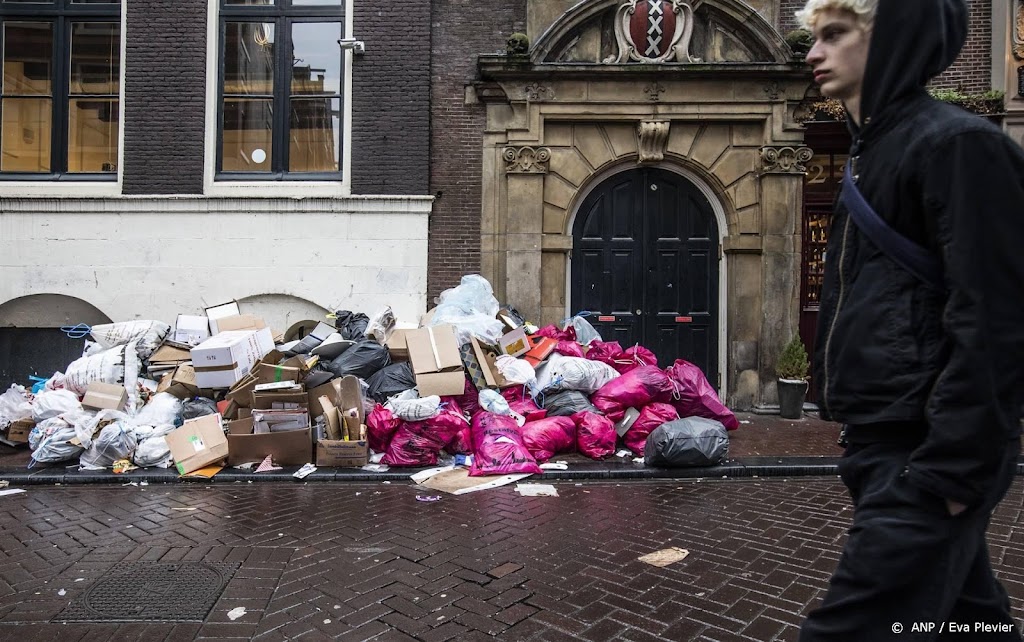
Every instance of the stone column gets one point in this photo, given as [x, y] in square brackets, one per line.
[782, 178]
[525, 170]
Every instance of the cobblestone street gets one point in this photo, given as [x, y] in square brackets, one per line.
[369, 561]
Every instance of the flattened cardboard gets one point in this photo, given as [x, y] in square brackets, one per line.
[241, 392]
[331, 389]
[18, 431]
[351, 396]
[181, 383]
[170, 354]
[290, 448]
[488, 366]
[342, 454]
[197, 443]
[334, 424]
[434, 349]
[100, 396]
[240, 427]
[240, 322]
[266, 400]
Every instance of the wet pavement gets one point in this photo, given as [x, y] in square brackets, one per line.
[368, 561]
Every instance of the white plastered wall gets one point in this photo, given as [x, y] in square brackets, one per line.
[155, 258]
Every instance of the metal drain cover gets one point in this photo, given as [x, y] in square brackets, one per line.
[152, 591]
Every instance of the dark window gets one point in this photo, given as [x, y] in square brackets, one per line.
[59, 94]
[280, 98]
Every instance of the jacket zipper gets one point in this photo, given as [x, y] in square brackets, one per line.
[835, 316]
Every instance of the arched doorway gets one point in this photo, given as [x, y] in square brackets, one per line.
[645, 260]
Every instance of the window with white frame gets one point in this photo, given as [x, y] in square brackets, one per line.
[59, 94]
[280, 90]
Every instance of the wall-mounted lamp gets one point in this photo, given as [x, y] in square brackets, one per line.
[357, 46]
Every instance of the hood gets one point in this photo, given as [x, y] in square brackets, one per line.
[912, 41]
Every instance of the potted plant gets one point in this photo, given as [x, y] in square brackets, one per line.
[792, 384]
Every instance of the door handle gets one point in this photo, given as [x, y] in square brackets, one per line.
[639, 312]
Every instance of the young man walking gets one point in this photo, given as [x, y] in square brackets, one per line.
[920, 347]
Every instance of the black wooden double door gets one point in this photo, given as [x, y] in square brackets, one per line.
[645, 262]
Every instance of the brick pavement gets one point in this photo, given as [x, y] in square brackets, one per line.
[367, 561]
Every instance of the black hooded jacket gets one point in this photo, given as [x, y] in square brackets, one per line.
[892, 350]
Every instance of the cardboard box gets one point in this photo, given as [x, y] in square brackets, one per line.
[241, 392]
[434, 354]
[217, 312]
[342, 454]
[223, 359]
[198, 443]
[181, 383]
[481, 366]
[240, 427]
[192, 330]
[240, 322]
[514, 343]
[290, 448]
[331, 389]
[397, 346]
[18, 431]
[101, 396]
[266, 400]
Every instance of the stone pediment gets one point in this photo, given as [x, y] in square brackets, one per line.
[660, 32]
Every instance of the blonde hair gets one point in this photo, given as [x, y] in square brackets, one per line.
[863, 9]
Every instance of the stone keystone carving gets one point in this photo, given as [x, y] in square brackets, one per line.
[785, 160]
[537, 92]
[653, 135]
[653, 31]
[526, 160]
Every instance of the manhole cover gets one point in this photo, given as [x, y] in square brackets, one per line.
[152, 591]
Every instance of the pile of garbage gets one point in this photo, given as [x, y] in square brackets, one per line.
[472, 379]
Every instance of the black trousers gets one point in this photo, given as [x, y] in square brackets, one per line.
[909, 569]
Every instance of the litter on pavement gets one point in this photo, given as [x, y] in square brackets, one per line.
[665, 556]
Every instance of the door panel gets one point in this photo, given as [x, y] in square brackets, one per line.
[645, 259]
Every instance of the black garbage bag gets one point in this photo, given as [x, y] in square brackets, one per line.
[351, 325]
[566, 403]
[363, 359]
[391, 380]
[198, 407]
[693, 441]
[318, 377]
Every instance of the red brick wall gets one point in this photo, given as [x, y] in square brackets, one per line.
[970, 74]
[461, 30]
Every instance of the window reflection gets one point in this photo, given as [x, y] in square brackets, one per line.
[249, 58]
[25, 134]
[316, 58]
[92, 135]
[315, 135]
[248, 128]
[95, 57]
[28, 51]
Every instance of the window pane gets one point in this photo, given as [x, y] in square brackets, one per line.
[95, 57]
[316, 58]
[25, 134]
[248, 125]
[95, 2]
[249, 2]
[249, 58]
[322, 3]
[28, 48]
[92, 135]
[314, 135]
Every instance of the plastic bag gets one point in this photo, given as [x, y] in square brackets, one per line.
[117, 365]
[381, 425]
[147, 335]
[492, 401]
[198, 407]
[693, 441]
[498, 447]
[552, 331]
[418, 409]
[635, 389]
[53, 403]
[54, 444]
[153, 451]
[469, 400]
[15, 404]
[595, 434]
[528, 409]
[362, 360]
[390, 381]
[565, 403]
[585, 333]
[115, 441]
[381, 325]
[651, 417]
[351, 325]
[569, 349]
[572, 373]
[462, 442]
[163, 408]
[632, 358]
[87, 424]
[516, 370]
[548, 437]
[418, 443]
[693, 396]
[471, 308]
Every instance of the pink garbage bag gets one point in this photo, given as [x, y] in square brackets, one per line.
[498, 447]
[651, 417]
[694, 397]
[462, 443]
[546, 438]
[528, 409]
[604, 351]
[380, 428]
[635, 389]
[569, 334]
[595, 434]
[632, 358]
[468, 399]
[515, 393]
[417, 443]
[569, 349]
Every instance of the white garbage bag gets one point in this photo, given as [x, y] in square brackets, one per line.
[15, 404]
[560, 372]
[53, 403]
[148, 335]
[115, 441]
[116, 365]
